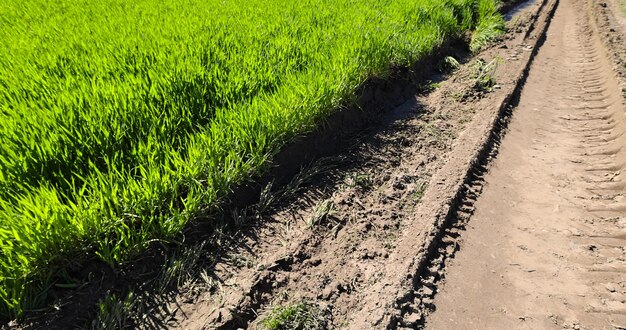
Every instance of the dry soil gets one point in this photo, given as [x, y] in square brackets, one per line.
[545, 248]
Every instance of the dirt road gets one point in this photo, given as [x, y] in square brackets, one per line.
[546, 246]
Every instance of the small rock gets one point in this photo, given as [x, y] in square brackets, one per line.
[327, 292]
[603, 4]
[315, 262]
[611, 287]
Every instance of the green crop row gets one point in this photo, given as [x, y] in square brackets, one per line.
[123, 120]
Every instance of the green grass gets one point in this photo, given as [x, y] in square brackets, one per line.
[124, 120]
[299, 316]
[490, 26]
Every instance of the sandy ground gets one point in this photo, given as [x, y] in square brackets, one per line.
[545, 248]
[353, 244]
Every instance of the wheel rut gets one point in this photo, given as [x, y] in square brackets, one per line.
[544, 244]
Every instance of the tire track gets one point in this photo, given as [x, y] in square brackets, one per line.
[546, 246]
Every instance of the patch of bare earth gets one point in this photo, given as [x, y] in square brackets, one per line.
[354, 241]
[545, 247]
